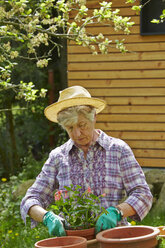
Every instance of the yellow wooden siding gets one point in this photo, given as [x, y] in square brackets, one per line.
[132, 84]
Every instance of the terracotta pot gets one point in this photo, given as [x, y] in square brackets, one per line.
[162, 233]
[162, 230]
[129, 237]
[93, 243]
[86, 233]
[62, 242]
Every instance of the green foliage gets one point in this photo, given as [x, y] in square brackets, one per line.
[33, 29]
[153, 220]
[28, 133]
[62, 137]
[28, 93]
[31, 129]
[31, 133]
[161, 20]
[32, 167]
[130, 1]
[161, 243]
[27, 126]
[137, 8]
[13, 232]
[79, 210]
[7, 205]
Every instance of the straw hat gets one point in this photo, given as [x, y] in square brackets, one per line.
[73, 96]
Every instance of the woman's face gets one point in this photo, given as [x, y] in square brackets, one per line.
[82, 132]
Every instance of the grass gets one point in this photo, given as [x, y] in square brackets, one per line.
[13, 232]
[153, 219]
[22, 236]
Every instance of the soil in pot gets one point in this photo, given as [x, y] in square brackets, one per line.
[86, 233]
[62, 242]
[129, 237]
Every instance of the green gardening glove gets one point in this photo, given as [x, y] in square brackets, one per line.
[54, 224]
[108, 220]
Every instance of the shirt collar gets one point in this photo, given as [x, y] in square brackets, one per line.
[102, 140]
[69, 145]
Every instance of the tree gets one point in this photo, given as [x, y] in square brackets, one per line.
[28, 27]
[35, 30]
[32, 30]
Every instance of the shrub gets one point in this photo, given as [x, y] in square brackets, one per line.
[13, 232]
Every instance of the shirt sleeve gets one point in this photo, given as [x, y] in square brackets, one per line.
[41, 192]
[137, 189]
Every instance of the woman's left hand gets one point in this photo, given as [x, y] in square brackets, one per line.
[108, 220]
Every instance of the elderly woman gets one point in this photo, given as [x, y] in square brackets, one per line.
[90, 158]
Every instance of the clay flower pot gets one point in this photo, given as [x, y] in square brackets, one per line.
[162, 231]
[93, 243]
[129, 237]
[62, 242]
[86, 233]
[161, 234]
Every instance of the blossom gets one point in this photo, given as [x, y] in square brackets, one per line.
[10, 231]
[42, 63]
[57, 195]
[3, 179]
[89, 190]
[133, 223]
[103, 195]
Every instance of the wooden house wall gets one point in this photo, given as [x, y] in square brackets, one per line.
[133, 85]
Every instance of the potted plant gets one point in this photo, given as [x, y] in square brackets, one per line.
[80, 211]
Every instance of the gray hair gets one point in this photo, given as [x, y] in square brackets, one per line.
[70, 115]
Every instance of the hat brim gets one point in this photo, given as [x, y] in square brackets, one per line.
[52, 110]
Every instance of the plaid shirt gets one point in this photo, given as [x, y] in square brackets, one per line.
[110, 167]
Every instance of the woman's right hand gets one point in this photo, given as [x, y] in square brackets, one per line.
[54, 223]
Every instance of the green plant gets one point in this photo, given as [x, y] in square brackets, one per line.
[31, 167]
[36, 31]
[13, 232]
[153, 219]
[161, 242]
[80, 211]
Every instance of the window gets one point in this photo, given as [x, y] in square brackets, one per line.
[152, 9]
